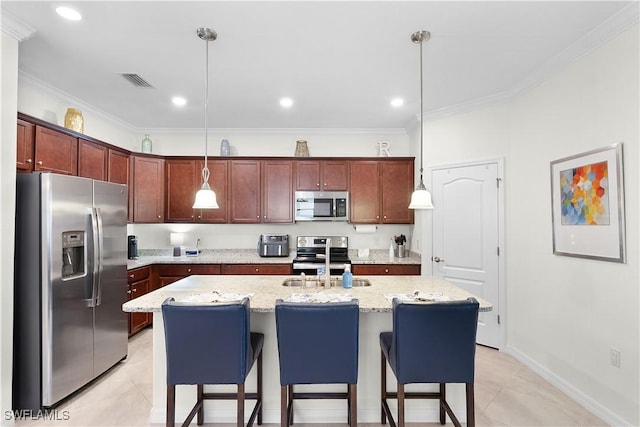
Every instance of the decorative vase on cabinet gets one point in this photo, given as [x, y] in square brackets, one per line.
[73, 120]
[146, 144]
[302, 150]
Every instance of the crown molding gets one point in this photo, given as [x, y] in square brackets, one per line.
[60, 95]
[282, 131]
[16, 28]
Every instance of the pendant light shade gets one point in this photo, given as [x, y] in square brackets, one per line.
[205, 197]
[421, 198]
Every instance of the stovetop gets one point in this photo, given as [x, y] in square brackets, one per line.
[312, 249]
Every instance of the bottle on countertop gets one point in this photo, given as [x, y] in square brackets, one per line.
[391, 251]
[347, 277]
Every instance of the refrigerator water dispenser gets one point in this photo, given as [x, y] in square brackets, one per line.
[73, 262]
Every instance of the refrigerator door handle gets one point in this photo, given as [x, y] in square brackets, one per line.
[95, 238]
[98, 294]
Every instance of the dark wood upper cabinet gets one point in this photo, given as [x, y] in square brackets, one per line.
[118, 171]
[148, 189]
[364, 197]
[181, 189]
[218, 181]
[244, 191]
[325, 175]
[397, 186]
[55, 151]
[277, 191]
[92, 160]
[25, 146]
[381, 191]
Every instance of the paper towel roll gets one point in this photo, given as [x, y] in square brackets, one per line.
[367, 228]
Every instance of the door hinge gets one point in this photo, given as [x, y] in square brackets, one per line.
[498, 182]
[498, 250]
[498, 319]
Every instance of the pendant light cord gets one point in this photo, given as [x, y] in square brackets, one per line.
[205, 169]
[421, 114]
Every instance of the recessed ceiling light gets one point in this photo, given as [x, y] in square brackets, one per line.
[286, 102]
[179, 101]
[68, 13]
[397, 102]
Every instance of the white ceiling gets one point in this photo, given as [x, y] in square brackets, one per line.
[341, 62]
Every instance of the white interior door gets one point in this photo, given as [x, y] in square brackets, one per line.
[466, 224]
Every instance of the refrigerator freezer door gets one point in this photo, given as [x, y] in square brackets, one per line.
[67, 318]
[110, 333]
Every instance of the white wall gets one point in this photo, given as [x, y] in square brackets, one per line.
[9, 94]
[563, 314]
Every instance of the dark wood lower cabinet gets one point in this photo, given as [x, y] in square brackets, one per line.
[386, 269]
[252, 269]
[139, 284]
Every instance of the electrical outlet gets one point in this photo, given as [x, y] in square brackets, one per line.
[614, 357]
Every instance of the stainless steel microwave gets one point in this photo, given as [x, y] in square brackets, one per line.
[322, 206]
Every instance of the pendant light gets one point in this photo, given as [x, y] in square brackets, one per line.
[205, 197]
[421, 198]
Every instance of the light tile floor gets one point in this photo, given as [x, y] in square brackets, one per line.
[507, 394]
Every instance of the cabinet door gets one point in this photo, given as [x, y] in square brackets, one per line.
[118, 172]
[56, 152]
[335, 175]
[365, 192]
[244, 186]
[397, 186]
[277, 191]
[386, 269]
[92, 160]
[137, 320]
[181, 190]
[255, 269]
[307, 175]
[218, 183]
[148, 189]
[24, 148]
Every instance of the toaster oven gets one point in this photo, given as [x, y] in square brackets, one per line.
[273, 245]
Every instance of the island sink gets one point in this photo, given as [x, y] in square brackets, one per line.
[314, 282]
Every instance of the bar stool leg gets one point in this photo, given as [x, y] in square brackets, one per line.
[259, 392]
[284, 404]
[443, 398]
[199, 393]
[171, 406]
[400, 405]
[240, 413]
[353, 405]
[290, 404]
[383, 387]
[471, 416]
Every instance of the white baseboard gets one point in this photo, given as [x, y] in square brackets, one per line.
[589, 403]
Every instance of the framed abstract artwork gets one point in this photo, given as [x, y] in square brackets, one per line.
[587, 203]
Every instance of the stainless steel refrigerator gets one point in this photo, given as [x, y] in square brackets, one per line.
[70, 284]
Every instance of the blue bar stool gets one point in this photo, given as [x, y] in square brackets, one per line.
[430, 343]
[211, 344]
[317, 344]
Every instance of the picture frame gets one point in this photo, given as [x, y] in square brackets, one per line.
[587, 204]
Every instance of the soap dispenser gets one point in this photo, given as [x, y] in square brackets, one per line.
[347, 277]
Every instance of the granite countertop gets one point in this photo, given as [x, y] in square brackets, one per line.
[249, 256]
[266, 290]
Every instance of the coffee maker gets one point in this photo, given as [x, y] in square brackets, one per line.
[132, 247]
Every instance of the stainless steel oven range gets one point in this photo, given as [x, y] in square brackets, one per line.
[311, 254]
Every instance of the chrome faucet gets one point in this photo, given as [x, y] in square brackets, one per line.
[327, 263]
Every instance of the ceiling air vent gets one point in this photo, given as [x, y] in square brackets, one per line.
[136, 80]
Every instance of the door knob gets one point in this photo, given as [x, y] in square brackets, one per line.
[436, 259]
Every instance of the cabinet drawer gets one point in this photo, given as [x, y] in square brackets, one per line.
[274, 269]
[138, 274]
[187, 269]
[386, 269]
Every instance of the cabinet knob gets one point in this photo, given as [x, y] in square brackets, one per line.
[159, 217]
[129, 292]
[131, 276]
[188, 270]
[39, 162]
[257, 270]
[325, 184]
[28, 161]
[386, 270]
[317, 184]
[377, 216]
[199, 216]
[385, 217]
[134, 290]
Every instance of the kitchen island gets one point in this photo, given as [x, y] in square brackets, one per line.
[375, 309]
